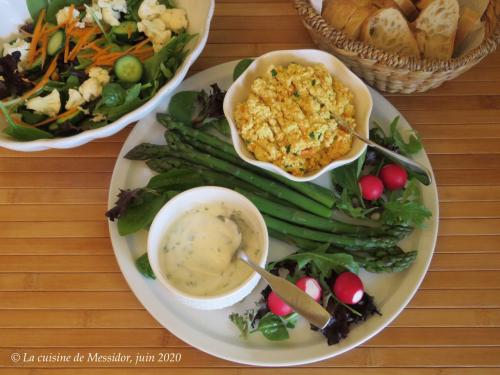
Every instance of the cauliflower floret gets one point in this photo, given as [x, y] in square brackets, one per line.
[88, 14]
[22, 47]
[175, 19]
[100, 74]
[110, 16]
[75, 99]
[118, 5]
[63, 16]
[90, 89]
[49, 105]
[156, 31]
[151, 9]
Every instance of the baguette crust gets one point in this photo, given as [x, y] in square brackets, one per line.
[436, 27]
[353, 26]
[407, 8]
[387, 29]
[338, 12]
[468, 22]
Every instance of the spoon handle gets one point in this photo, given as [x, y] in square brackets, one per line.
[301, 302]
[420, 171]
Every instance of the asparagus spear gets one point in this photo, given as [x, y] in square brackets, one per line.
[343, 241]
[314, 191]
[302, 218]
[272, 187]
[392, 259]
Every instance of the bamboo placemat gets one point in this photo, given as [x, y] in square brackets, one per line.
[61, 290]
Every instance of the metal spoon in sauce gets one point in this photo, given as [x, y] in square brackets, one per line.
[297, 299]
[420, 171]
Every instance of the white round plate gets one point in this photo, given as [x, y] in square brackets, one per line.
[15, 13]
[220, 338]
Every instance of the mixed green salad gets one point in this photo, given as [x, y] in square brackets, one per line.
[82, 64]
[375, 202]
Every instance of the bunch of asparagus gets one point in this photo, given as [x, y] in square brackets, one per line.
[299, 213]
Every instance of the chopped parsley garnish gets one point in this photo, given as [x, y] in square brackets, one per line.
[296, 93]
[311, 135]
[274, 73]
[313, 82]
[288, 149]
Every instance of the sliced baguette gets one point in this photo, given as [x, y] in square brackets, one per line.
[422, 4]
[468, 22]
[388, 30]
[436, 27]
[471, 41]
[353, 26]
[407, 8]
[338, 12]
[479, 6]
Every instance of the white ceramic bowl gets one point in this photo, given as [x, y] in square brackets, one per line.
[199, 12]
[239, 90]
[186, 201]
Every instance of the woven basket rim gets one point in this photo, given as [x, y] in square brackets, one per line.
[366, 51]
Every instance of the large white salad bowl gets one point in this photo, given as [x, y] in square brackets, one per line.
[199, 12]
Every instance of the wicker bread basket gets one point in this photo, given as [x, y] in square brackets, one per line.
[392, 73]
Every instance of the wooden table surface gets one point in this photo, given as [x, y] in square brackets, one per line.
[61, 290]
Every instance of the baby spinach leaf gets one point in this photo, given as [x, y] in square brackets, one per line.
[241, 67]
[291, 320]
[133, 93]
[172, 48]
[35, 6]
[143, 266]
[113, 95]
[273, 328]
[141, 214]
[183, 105]
[24, 133]
[20, 132]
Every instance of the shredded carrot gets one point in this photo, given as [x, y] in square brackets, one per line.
[45, 39]
[81, 42]
[36, 37]
[43, 81]
[70, 23]
[64, 114]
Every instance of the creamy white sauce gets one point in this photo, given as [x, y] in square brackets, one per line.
[198, 250]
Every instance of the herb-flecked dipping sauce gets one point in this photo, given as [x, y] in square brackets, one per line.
[196, 255]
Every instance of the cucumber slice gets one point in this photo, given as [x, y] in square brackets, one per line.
[56, 42]
[128, 69]
[36, 65]
[126, 31]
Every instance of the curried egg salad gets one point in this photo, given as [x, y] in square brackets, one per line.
[289, 116]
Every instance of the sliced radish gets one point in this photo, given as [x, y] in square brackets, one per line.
[348, 288]
[310, 286]
[277, 305]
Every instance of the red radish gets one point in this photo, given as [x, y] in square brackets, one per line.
[310, 286]
[394, 176]
[348, 288]
[277, 305]
[371, 187]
